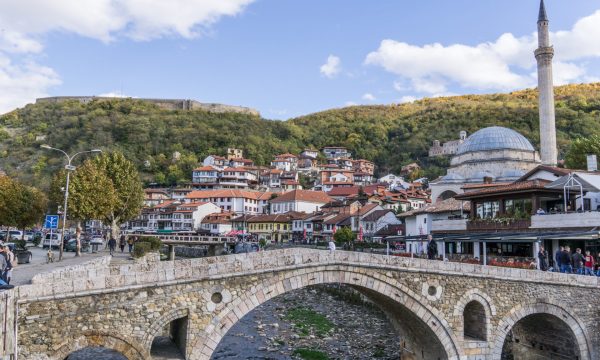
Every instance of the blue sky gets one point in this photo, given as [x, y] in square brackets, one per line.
[287, 58]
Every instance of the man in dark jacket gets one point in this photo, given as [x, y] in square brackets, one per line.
[578, 262]
[565, 261]
[557, 257]
[112, 244]
[431, 248]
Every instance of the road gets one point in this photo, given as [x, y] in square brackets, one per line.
[23, 273]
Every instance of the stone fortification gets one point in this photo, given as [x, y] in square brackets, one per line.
[167, 104]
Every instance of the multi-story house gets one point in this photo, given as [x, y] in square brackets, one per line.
[233, 153]
[153, 197]
[173, 215]
[275, 227]
[336, 152]
[217, 161]
[363, 178]
[377, 220]
[240, 162]
[285, 162]
[310, 153]
[236, 178]
[206, 176]
[299, 200]
[217, 223]
[235, 201]
[363, 166]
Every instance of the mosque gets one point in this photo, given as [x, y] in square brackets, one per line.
[498, 154]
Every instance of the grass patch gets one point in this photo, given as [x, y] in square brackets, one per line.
[379, 352]
[308, 354]
[307, 321]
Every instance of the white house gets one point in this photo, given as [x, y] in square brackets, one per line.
[285, 162]
[176, 216]
[216, 161]
[217, 223]
[237, 201]
[377, 220]
[206, 175]
[299, 200]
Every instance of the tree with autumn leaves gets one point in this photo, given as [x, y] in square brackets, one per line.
[21, 206]
[106, 188]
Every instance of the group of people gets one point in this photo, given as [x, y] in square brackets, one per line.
[7, 262]
[569, 263]
[123, 240]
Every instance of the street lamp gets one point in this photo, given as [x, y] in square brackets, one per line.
[69, 168]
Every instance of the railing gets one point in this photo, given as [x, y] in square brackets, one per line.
[587, 219]
[192, 238]
[498, 224]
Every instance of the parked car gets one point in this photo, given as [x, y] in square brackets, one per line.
[23, 255]
[97, 241]
[51, 240]
[15, 235]
[71, 245]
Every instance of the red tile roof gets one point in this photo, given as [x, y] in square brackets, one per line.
[303, 195]
[516, 186]
[206, 168]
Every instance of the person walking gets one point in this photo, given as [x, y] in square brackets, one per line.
[112, 244]
[130, 242]
[542, 256]
[557, 257]
[122, 241]
[578, 262]
[10, 258]
[431, 248]
[589, 263]
[3, 265]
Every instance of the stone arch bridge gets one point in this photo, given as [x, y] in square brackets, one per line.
[441, 310]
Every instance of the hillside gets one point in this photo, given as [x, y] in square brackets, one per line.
[390, 135]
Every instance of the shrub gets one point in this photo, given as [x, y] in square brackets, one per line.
[155, 243]
[141, 248]
[19, 244]
[309, 354]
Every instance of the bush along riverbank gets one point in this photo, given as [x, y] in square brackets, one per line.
[315, 323]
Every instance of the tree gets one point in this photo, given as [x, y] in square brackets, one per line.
[344, 235]
[91, 195]
[21, 206]
[580, 148]
[127, 187]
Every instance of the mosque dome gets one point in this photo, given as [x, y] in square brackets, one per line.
[495, 138]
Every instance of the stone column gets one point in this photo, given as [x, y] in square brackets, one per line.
[484, 253]
[171, 252]
[536, 250]
[476, 249]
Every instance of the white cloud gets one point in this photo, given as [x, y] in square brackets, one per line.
[20, 83]
[408, 99]
[332, 67]
[505, 64]
[26, 22]
[369, 97]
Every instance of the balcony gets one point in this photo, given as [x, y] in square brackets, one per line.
[449, 225]
[566, 221]
[498, 224]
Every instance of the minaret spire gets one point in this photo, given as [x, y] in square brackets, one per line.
[544, 55]
[543, 16]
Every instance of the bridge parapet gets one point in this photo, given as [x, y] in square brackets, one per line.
[100, 276]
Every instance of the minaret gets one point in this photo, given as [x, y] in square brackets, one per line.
[544, 55]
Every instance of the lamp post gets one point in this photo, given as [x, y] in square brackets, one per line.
[69, 168]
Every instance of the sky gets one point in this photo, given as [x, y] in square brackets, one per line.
[287, 58]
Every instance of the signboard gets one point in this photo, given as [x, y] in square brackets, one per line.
[592, 163]
[51, 222]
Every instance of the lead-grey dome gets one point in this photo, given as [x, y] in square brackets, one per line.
[495, 138]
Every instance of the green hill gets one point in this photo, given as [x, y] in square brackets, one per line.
[390, 135]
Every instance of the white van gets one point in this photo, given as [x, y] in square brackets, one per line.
[15, 235]
[51, 240]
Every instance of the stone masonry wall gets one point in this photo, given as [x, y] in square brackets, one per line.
[125, 306]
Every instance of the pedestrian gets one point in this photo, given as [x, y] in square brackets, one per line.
[331, 246]
[431, 248]
[130, 242]
[10, 258]
[3, 265]
[557, 257]
[565, 261]
[542, 257]
[112, 244]
[589, 263]
[577, 262]
[122, 241]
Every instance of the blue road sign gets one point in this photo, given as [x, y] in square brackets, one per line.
[51, 222]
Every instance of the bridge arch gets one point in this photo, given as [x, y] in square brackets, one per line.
[96, 339]
[472, 297]
[386, 286]
[521, 312]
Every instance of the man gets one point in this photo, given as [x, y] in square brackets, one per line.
[577, 262]
[557, 257]
[540, 211]
[3, 264]
[565, 261]
[589, 263]
[431, 248]
[10, 259]
[130, 242]
[112, 244]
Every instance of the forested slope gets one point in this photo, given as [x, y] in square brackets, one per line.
[390, 135]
